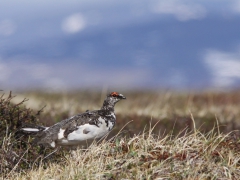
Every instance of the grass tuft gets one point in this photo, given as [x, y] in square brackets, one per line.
[17, 154]
[192, 156]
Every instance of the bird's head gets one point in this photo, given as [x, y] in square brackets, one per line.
[111, 100]
[115, 96]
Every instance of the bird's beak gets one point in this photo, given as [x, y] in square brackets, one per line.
[122, 97]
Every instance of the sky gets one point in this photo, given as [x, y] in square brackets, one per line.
[138, 44]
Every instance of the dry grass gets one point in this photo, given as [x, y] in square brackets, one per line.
[170, 108]
[192, 156]
[205, 147]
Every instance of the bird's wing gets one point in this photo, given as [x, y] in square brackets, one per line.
[63, 128]
[72, 124]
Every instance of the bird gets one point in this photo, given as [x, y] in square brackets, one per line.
[88, 125]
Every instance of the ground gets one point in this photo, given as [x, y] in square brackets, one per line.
[159, 135]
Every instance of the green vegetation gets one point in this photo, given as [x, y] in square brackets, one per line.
[164, 135]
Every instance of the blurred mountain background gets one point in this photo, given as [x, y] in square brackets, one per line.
[147, 44]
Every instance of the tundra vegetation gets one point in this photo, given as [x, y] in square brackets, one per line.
[158, 135]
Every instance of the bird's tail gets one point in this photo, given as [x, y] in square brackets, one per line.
[30, 129]
[33, 129]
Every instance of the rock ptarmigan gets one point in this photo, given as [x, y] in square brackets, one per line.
[88, 125]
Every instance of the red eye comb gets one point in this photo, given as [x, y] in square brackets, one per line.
[114, 94]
